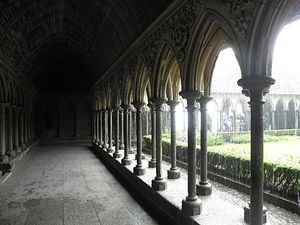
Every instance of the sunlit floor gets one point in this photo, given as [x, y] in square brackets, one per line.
[66, 184]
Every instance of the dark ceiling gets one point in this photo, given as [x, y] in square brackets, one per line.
[36, 35]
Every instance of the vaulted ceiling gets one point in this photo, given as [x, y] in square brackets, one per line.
[92, 32]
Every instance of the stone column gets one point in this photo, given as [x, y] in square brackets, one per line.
[126, 160]
[117, 153]
[173, 172]
[28, 125]
[100, 130]
[204, 187]
[17, 147]
[121, 129]
[191, 205]
[104, 131]
[10, 151]
[109, 118]
[93, 127]
[139, 168]
[129, 129]
[159, 183]
[255, 87]
[25, 126]
[97, 127]
[3, 157]
[152, 162]
[21, 128]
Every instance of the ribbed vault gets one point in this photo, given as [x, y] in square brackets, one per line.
[95, 32]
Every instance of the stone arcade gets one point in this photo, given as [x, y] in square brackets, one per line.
[80, 69]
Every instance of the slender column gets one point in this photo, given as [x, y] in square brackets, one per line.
[28, 125]
[152, 162]
[97, 127]
[159, 183]
[104, 131]
[25, 126]
[126, 160]
[121, 125]
[255, 87]
[17, 147]
[3, 157]
[117, 153]
[100, 130]
[10, 151]
[94, 127]
[130, 151]
[109, 115]
[173, 172]
[139, 168]
[21, 128]
[191, 205]
[204, 187]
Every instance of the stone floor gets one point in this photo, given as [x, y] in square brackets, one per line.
[66, 184]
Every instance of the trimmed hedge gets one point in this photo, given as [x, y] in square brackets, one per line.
[279, 180]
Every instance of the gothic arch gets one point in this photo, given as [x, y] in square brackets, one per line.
[165, 62]
[211, 34]
[141, 82]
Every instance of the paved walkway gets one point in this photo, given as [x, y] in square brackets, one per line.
[66, 184]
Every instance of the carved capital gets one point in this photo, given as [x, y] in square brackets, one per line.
[256, 87]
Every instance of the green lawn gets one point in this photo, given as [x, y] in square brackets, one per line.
[285, 152]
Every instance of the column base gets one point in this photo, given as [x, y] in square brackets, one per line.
[117, 155]
[11, 153]
[139, 170]
[3, 158]
[159, 184]
[173, 173]
[126, 162]
[247, 214]
[152, 163]
[204, 189]
[191, 207]
[110, 150]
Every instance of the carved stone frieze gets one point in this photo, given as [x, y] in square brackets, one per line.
[241, 13]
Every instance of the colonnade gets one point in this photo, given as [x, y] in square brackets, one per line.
[102, 137]
[17, 129]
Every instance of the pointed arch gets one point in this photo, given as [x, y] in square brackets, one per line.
[212, 33]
